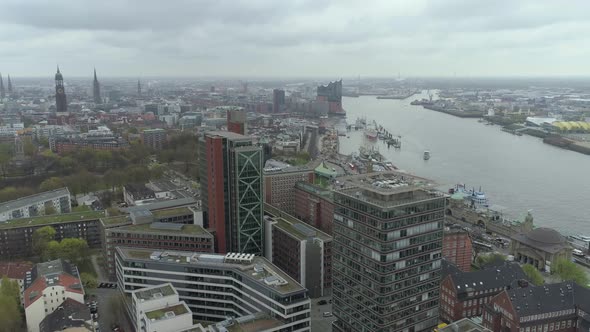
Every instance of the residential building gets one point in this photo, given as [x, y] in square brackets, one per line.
[303, 252]
[154, 138]
[101, 138]
[463, 294]
[237, 121]
[158, 308]
[15, 271]
[387, 247]
[552, 307]
[541, 247]
[232, 192]
[278, 101]
[457, 248]
[55, 201]
[126, 231]
[314, 205]
[16, 236]
[47, 286]
[70, 316]
[279, 185]
[216, 287]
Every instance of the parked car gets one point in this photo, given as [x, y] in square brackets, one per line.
[327, 314]
[322, 302]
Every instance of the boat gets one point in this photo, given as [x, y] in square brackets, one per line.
[579, 241]
[476, 198]
[371, 133]
[426, 155]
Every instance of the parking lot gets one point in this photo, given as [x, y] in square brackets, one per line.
[319, 323]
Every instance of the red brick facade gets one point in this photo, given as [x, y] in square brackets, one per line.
[314, 208]
[457, 249]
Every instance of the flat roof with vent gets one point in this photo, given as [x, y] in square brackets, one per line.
[167, 312]
[257, 268]
[155, 292]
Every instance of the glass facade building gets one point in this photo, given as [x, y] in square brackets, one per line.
[388, 231]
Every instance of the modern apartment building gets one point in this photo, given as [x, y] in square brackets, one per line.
[303, 252]
[220, 288]
[279, 186]
[154, 138]
[16, 236]
[57, 200]
[158, 230]
[232, 192]
[388, 230]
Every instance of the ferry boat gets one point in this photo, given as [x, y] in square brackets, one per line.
[579, 241]
[426, 155]
[477, 198]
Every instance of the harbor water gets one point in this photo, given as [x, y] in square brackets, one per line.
[517, 173]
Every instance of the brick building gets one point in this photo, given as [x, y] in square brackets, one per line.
[279, 185]
[553, 307]
[457, 248]
[315, 206]
[463, 294]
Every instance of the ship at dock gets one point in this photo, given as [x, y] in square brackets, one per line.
[371, 132]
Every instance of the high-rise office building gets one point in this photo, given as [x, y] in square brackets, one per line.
[96, 89]
[237, 120]
[232, 192]
[388, 230]
[278, 100]
[154, 138]
[61, 104]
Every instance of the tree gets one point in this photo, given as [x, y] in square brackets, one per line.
[10, 288]
[41, 238]
[483, 260]
[568, 270]
[10, 193]
[50, 210]
[74, 250]
[88, 280]
[30, 148]
[10, 315]
[53, 251]
[533, 274]
[51, 184]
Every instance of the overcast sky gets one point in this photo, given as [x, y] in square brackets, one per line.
[280, 38]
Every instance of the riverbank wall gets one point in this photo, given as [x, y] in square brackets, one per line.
[457, 113]
[568, 144]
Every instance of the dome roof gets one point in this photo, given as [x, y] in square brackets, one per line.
[545, 235]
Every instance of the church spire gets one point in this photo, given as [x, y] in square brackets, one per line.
[96, 90]
[2, 92]
[138, 88]
[9, 85]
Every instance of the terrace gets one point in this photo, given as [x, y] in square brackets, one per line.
[52, 219]
[165, 228]
[172, 212]
[167, 312]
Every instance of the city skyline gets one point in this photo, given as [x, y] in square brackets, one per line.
[315, 39]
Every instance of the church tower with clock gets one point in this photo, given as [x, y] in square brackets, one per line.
[60, 94]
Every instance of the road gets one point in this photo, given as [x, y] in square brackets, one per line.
[319, 323]
[106, 312]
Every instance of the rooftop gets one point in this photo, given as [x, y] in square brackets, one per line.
[159, 205]
[256, 268]
[52, 219]
[464, 325]
[533, 300]
[116, 220]
[156, 292]
[166, 228]
[172, 212]
[294, 226]
[168, 312]
[493, 277]
[228, 134]
[314, 189]
[69, 314]
[15, 270]
[545, 239]
[33, 199]
[253, 323]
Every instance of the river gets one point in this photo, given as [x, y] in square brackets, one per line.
[517, 173]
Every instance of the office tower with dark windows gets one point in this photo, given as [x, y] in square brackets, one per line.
[237, 121]
[278, 101]
[388, 230]
[232, 192]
